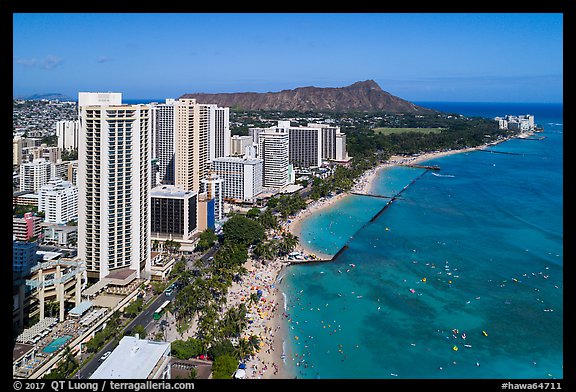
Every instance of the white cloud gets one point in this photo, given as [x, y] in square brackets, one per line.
[51, 62]
[27, 62]
[104, 59]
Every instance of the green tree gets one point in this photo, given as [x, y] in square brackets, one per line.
[206, 240]
[244, 349]
[268, 220]
[179, 267]
[264, 250]
[242, 230]
[224, 367]
[185, 349]
[220, 348]
[253, 213]
[70, 155]
[140, 330]
[134, 308]
[171, 246]
[287, 243]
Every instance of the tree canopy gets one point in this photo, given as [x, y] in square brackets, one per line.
[242, 230]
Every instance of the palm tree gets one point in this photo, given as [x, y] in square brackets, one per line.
[244, 349]
[287, 244]
[253, 298]
[265, 250]
[254, 342]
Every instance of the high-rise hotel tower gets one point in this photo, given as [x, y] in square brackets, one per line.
[114, 184]
[191, 130]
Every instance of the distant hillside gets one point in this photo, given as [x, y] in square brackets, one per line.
[366, 96]
[49, 96]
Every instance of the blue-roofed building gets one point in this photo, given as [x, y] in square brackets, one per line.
[79, 310]
[23, 257]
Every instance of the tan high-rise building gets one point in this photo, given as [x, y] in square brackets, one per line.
[191, 139]
[114, 184]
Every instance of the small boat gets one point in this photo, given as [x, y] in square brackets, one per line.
[352, 265]
[464, 336]
[468, 345]
[455, 348]
[484, 332]
[412, 291]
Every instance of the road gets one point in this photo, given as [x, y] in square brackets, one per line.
[144, 318]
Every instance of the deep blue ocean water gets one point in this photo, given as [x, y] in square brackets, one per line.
[461, 278]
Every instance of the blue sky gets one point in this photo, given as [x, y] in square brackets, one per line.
[476, 57]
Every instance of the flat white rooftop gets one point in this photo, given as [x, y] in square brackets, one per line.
[133, 359]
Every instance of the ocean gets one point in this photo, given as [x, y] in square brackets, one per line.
[460, 278]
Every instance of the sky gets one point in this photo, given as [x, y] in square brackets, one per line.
[457, 57]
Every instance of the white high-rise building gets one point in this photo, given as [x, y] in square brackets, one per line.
[213, 187]
[95, 99]
[35, 174]
[219, 134]
[67, 133]
[242, 177]
[17, 144]
[273, 149]
[59, 201]
[305, 146]
[163, 148]
[333, 142]
[114, 184]
[191, 138]
[341, 150]
[239, 143]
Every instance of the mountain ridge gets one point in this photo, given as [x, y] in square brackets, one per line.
[363, 96]
[48, 96]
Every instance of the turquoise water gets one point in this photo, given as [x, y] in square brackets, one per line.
[476, 247]
[56, 344]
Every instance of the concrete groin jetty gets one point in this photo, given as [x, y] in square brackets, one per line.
[500, 152]
[392, 199]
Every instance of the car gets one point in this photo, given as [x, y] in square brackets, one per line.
[106, 355]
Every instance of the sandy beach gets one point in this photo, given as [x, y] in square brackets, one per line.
[268, 313]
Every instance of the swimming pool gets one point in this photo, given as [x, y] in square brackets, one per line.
[56, 344]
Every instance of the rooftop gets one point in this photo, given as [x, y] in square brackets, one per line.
[246, 160]
[134, 358]
[170, 191]
[81, 309]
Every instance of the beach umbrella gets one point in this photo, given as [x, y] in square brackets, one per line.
[242, 366]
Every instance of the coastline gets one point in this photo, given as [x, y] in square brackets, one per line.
[362, 185]
[269, 323]
[266, 315]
